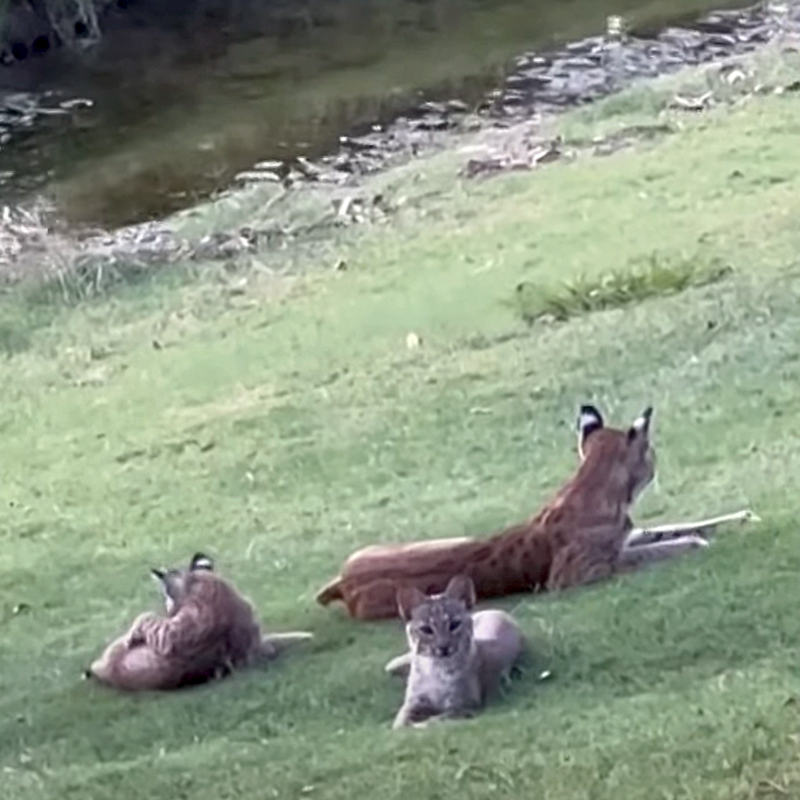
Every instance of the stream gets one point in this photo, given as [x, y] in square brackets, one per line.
[152, 124]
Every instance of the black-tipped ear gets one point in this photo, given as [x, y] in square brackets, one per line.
[201, 561]
[158, 574]
[589, 419]
[641, 424]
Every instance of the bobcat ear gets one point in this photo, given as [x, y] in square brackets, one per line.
[461, 588]
[161, 577]
[201, 561]
[589, 420]
[641, 424]
[408, 598]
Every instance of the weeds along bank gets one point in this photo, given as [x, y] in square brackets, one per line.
[270, 411]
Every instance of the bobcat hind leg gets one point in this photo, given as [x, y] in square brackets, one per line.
[102, 669]
[580, 564]
[705, 527]
[640, 555]
[376, 599]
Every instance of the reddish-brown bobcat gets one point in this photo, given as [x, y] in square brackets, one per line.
[582, 535]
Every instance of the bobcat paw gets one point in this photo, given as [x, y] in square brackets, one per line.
[436, 719]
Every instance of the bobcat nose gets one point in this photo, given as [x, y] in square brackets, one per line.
[444, 651]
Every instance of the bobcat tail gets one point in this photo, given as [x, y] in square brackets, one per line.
[330, 592]
[275, 643]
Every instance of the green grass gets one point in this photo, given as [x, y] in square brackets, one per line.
[617, 289]
[282, 423]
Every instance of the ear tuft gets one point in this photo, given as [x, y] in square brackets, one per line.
[642, 423]
[461, 588]
[201, 561]
[408, 598]
[589, 419]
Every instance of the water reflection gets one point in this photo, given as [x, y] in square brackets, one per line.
[177, 111]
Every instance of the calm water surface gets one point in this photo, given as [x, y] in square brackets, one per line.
[175, 118]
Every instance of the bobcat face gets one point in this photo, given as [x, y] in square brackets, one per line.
[440, 626]
[625, 454]
[175, 583]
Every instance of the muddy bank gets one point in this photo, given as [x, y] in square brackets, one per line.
[547, 82]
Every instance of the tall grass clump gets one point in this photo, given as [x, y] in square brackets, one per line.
[582, 295]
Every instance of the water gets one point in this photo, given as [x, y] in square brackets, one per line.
[166, 130]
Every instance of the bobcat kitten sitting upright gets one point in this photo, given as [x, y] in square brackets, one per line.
[456, 658]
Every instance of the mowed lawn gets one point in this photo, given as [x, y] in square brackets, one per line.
[282, 424]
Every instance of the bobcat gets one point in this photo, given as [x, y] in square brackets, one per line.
[584, 534]
[209, 630]
[457, 659]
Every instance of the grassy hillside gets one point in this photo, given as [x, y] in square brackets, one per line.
[281, 421]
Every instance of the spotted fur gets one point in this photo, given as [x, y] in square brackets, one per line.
[456, 658]
[577, 538]
[208, 631]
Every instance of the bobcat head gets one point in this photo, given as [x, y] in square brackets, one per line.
[439, 626]
[620, 459]
[176, 583]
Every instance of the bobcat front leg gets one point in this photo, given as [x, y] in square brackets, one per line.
[410, 716]
[399, 666]
[638, 556]
[659, 533]
[137, 634]
[407, 717]
[452, 715]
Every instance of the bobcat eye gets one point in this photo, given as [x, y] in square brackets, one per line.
[455, 624]
[426, 630]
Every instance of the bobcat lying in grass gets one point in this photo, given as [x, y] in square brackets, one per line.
[209, 630]
[457, 658]
[584, 534]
